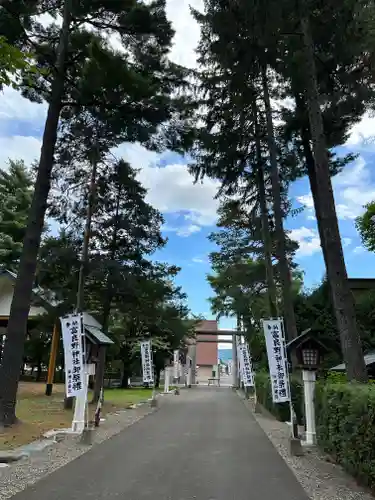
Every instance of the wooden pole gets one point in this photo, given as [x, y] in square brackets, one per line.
[52, 359]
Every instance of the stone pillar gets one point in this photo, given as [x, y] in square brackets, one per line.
[309, 379]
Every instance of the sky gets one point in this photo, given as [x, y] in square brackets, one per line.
[190, 210]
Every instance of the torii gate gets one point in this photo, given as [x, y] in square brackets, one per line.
[207, 332]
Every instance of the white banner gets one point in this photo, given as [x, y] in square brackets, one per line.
[277, 361]
[147, 365]
[176, 363]
[72, 334]
[240, 362]
[246, 367]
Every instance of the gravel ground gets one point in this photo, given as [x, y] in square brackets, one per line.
[321, 479]
[28, 471]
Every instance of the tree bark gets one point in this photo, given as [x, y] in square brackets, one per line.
[107, 304]
[267, 242]
[125, 379]
[157, 377]
[310, 164]
[286, 279]
[343, 300]
[10, 369]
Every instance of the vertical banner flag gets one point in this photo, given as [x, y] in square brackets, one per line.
[147, 365]
[72, 334]
[240, 362]
[275, 343]
[247, 367]
[176, 362]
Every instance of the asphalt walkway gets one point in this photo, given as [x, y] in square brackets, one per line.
[202, 445]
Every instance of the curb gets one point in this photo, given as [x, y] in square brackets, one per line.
[7, 457]
[54, 436]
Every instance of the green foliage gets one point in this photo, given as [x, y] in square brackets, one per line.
[366, 226]
[281, 410]
[345, 416]
[16, 191]
[12, 61]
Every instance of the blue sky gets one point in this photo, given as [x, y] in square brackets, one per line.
[190, 210]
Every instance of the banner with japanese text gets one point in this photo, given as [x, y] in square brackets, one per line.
[246, 366]
[72, 335]
[277, 361]
[147, 364]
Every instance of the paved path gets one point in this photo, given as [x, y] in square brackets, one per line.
[202, 445]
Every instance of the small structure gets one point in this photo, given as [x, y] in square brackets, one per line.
[369, 359]
[309, 352]
[42, 302]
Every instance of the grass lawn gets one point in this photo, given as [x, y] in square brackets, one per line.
[38, 413]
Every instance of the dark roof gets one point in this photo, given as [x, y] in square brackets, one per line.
[369, 360]
[43, 295]
[298, 339]
[97, 336]
[295, 343]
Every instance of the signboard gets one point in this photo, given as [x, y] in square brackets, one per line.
[147, 365]
[240, 362]
[72, 334]
[246, 366]
[277, 361]
[176, 363]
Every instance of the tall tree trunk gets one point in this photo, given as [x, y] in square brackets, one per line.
[38, 370]
[266, 235]
[286, 279]
[87, 235]
[125, 378]
[99, 376]
[302, 112]
[68, 402]
[157, 378]
[17, 325]
[343, 300]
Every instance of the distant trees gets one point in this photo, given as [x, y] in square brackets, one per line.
[16, 192]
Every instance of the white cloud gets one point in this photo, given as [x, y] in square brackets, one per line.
[199, 260]
[358, 250]
[15, 107]
[171, 189]
[187, 30]
[19, 148]
[353, 188]
[183, 231]
[308, 240]
[346, 242]
[363, 131]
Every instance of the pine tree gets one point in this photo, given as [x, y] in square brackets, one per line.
[16, 191]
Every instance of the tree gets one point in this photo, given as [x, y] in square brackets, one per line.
[336, 269]
[76, 65]
[16, 194]
[244, 42]
[366, 227]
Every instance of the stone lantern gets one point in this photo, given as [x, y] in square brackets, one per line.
[309, 352]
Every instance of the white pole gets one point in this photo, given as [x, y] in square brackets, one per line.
[78, 423]
[309, 379]
[166, 379]
[189, 375]
[234, 361]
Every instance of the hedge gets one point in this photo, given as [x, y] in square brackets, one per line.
[281, 410]
[345, 418]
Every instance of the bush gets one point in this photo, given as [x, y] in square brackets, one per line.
[345, 418]
[281, 410]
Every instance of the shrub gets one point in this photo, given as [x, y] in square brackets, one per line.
[280, 410]
[345, 418]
